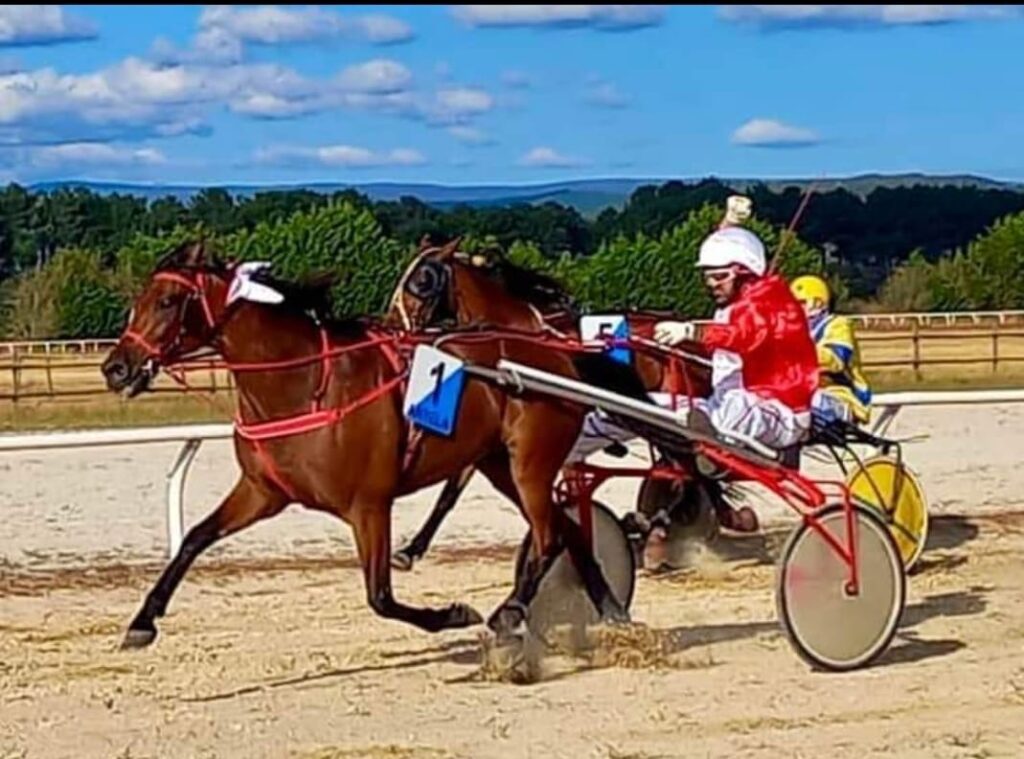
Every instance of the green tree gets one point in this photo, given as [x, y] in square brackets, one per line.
[340, 238]
[660, 272]
[73, 295]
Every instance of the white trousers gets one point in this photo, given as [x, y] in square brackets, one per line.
[736, 411]
[830, 407]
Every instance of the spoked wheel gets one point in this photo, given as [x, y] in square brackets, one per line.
[829, 627]
[561, 597]
[889, 486]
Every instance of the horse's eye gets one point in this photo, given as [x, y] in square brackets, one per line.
[167, 301]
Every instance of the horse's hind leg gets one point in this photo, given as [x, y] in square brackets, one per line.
[406, 556]
[552, 530]
[371, 523]
[246, 503]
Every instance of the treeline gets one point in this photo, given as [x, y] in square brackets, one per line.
[81, 292]
[866, 236]
[985, 275]
[70, 259]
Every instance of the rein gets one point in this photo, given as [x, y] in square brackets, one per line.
[197, 289]
[317, 417]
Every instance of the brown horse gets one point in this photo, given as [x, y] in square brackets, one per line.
[480, 290]
[321, 424]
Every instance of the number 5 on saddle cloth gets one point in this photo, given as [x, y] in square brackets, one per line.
[615, 327]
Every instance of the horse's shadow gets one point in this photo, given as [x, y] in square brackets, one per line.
[949, 531]
[911, 647]
[462, 651]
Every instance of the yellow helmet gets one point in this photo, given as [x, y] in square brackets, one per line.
[809, 288]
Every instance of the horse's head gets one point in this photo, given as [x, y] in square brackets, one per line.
[177, 312]
[423, 295]
[473, 288]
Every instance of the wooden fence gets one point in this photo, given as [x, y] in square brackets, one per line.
[70, 369]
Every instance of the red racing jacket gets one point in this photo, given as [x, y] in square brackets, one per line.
[767, 328]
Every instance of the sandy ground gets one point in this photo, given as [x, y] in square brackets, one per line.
[270, 650]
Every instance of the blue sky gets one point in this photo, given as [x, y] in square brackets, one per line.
[507, 94]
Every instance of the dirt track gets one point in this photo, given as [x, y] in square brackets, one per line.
[269, 648]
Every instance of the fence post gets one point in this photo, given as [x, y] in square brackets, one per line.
[915, 336]
[176, 495]
[995, 350]
[15, 377]
[49, 374]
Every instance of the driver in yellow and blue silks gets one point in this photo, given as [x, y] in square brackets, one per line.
[844, 392]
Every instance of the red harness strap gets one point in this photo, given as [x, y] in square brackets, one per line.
[317, 418]
[314, 420]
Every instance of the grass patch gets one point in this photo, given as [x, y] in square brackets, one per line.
[113, 411]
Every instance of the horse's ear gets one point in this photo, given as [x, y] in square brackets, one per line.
[425, 241]
[449, 249]
[193, 254]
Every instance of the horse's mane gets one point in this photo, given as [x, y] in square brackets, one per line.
[310, 295]
[538, 289]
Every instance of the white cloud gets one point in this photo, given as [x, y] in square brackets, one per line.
[138, 98]
[265, 105]
[276, 25]
[93, 154]
[470, 135]
[224, 30]
[42, 25]
[462, 102]
[96, 158]
[605, 95]
[383, 30]
[549, 158]
[848, 16]
[342, 156]
[380, 76]
[771, 133]
[606, 17]
[209, 46]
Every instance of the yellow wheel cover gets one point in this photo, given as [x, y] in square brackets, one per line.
[896, 492]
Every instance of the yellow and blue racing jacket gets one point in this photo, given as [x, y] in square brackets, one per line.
[839, 361]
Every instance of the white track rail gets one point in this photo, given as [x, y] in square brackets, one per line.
[192, 436]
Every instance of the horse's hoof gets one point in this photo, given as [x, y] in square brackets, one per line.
[464, 615]
[614, 613]
[508, 622]
[402, 561]
[138, 638]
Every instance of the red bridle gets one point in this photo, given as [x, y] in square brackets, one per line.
[196, 286]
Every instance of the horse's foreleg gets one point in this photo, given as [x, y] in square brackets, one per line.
[406, 556]
[246, 504]
[371, 523]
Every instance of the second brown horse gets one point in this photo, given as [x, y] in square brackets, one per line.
[444, 285]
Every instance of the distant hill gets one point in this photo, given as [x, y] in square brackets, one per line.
[588, 196]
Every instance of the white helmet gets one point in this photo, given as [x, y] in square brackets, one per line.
[733, 245]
